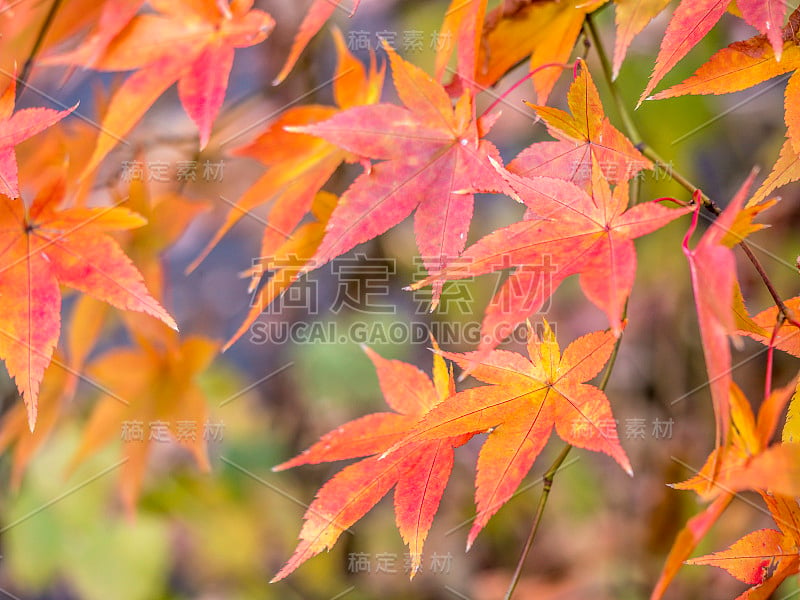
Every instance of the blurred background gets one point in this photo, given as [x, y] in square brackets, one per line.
[300, 372]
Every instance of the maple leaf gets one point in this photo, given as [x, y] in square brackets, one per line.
[433, 157]
[525, 400]
[763, 558]
[687, 540]
[45, 246]
[744, 64]
[750, 462]
[459, 16]
[785, 170]
[114, 16]
[516, 30]
[583, 136]
[299, 164]
[168, 215]
[21, 26]
[569, 233]
[747, 462]
[58, 387]
[188, 41]
[631, 16]
[693, 19]
[16, 127]
[419, 471]
[284, 265]
[786, 338]
[146, 387]
[319, 12]
[712, 265]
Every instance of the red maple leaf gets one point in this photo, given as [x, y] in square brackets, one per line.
[16, 127]
[44, 246]
[713, 270]
[187, 41]
[568, 233]
[418, 472]
[433, 158]
[525, 400]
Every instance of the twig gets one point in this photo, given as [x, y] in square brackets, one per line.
[547, 480]
[22, 80]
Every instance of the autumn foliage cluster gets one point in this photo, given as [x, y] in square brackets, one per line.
[426, 155]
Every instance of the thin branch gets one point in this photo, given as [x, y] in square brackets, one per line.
[37, 46]
[627, 121]
[782, 308]
[547, 480]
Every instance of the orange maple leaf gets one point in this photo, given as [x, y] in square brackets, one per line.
[168, 215]
[299, 164]
[419, 471]
[525, 400]
[763, 558]
[543, 31]
[693, 19]
[747, 462]
[278, 270]
[318, 13]
[786, 338]
[45, 246]
[149, 394]
[744, 64]
[188, 41]
[583, 136]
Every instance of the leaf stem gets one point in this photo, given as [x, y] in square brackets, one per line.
[22, 80]
[522, 80]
